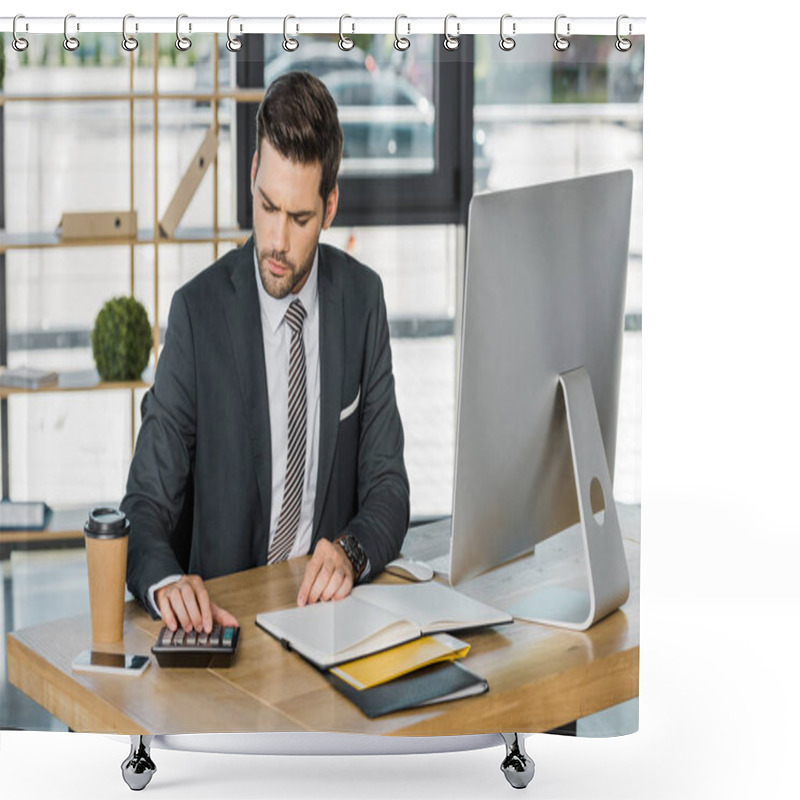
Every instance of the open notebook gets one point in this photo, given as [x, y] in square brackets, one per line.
[374, 618]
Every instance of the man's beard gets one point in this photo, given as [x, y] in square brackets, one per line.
[281, 287]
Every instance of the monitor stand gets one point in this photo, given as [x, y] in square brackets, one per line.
[602, 539]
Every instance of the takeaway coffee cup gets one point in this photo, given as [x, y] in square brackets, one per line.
[106, 532]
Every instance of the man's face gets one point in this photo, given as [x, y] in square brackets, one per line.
[288, 216]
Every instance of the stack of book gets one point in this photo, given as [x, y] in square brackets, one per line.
[386, 648]
[23, 516]
[27, 378]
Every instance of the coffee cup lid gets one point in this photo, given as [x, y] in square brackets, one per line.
[106, 523]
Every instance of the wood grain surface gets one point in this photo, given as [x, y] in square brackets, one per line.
[540, 677]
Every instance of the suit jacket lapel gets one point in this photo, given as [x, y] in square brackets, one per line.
[244, 322]
[331, 372]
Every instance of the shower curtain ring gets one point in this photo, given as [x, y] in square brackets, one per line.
[345, 42]
[233, 44]
[183, 43]
[561, 43]
[70, 42]
[289, 44]
[401, 43]
[451, 42]
[623, 44]
[507, 42]
[129, 43]
[18, 43]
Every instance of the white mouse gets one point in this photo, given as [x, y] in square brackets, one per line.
[410, 569]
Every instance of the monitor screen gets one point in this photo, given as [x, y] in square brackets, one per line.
[544, 294]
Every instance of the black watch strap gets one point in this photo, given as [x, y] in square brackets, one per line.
[355, 552]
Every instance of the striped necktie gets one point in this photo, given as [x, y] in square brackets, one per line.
[296, 449]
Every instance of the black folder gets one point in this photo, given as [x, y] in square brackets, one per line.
[434, 684]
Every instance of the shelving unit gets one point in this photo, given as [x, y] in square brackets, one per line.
[64, 525]
[144, 237]
[67, 524]
[81, 381]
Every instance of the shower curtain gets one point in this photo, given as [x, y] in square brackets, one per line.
[426, 126]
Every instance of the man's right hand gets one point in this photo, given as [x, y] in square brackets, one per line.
[186, 603]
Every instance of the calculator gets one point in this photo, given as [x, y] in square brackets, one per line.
[196, 649]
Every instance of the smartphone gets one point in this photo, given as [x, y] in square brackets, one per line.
[113, 663]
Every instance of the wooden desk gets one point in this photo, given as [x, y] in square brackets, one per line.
[539, 677]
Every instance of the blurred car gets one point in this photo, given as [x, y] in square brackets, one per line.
[387, 122]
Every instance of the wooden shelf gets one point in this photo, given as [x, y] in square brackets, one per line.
[63, 525]
[240, 95]
[81, 381]
[44, 240]
[73, 97]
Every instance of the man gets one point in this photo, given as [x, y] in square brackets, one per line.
[271, 429]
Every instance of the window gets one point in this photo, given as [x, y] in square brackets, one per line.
[418, 146]
[406, 119]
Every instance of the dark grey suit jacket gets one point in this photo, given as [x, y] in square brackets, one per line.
[200, 484]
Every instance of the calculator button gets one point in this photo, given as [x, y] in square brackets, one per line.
[196, 649]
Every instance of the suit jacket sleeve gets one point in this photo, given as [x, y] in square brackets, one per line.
[160, 470]
[383, 490]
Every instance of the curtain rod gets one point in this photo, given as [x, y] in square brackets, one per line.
[454, 25]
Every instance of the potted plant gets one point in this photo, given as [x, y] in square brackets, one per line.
[121, 340]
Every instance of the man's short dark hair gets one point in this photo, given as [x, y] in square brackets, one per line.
[299, 118]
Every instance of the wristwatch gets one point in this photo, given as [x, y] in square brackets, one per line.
[355, 552]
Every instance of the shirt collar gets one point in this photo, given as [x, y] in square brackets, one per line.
[274, 309]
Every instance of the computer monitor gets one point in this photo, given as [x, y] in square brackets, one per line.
[542, 331]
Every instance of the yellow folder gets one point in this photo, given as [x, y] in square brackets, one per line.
[364, 673]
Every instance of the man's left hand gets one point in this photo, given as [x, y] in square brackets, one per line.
[329, 574]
